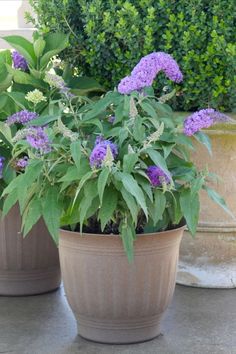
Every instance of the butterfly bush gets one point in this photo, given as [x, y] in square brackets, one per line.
[147, 69]
[204, 118]
[157, 176]
[19, 62]
[99, 152]
[115, 164]
[21, 117]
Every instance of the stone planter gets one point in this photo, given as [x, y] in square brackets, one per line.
[28, 265]
[209, 260]
[112, 300]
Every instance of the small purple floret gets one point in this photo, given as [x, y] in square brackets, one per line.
[21, 117]
[204, 118]
[146, 70]
[2, 159]
[99, 151]
[23, 162]
[157, 176]
[19, 61]
[38, 139]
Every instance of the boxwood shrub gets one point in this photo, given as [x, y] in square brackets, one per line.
[107, 38]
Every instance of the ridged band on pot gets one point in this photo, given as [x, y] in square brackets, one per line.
[30, 265]
[112, 300]
[209, 260]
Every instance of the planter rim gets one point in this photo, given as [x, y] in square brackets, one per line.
[118, 235]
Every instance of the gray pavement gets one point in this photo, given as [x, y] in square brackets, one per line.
[199, 321]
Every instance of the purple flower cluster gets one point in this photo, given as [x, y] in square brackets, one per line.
[22, 117]
[23, 162]
[146, 70]
[19, 61]
[38, 139]
[157, 176]
[204, 118]
[2, 159]
[99, 152]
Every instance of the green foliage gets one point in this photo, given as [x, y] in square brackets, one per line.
[117, 195]
[105, 43]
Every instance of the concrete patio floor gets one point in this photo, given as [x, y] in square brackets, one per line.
[199, 321]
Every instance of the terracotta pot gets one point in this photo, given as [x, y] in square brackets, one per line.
[210, 259]
[112, 300]
[28, 265]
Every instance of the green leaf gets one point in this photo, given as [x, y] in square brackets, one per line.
[149, 109]
[131, 204]
[5, 77]
[10, 200]
[44, 120]
[128, 236]
[6, 132]
[108, 206]
[133, 188]
[75, 149]
[55, 43]
[190, 207]
[204, 139]
[52, 211]
[84, 179]
[32, 172]
[84, 85]
[23, 46]
[33, 214]
[129, 162]
[157, 208]
[71, 175]
[90, 193]
[23, 78]
[102, 181]
[218, 199]
[19, 99]
[39, 46]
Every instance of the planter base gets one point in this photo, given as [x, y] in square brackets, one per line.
[119, 332]
[18, 283]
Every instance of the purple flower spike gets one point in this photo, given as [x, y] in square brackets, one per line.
[2, 159]
[23, 162]
[204, 118]
[157, 176]
[38, 139]
[99, 152]
[21, 117]
[146, 70]
[19, 61]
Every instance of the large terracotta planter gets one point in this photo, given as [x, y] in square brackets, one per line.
[209, 260]
[27, 266]
[112, 300]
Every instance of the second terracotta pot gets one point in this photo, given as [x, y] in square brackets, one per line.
[30, 265]
[112, 300]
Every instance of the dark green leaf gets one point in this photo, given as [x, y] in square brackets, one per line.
[52, 211]
[190, 208]
[102, 181]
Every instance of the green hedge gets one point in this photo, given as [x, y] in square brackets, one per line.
[109, 37]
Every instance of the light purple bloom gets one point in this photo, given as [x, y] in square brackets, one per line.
[21, 117]
[146, 70]
[23, 162]
[19, 61]
[111, 119]
[2, 159]
[38, 139]
[157, 176]
[204, 118]
[99, 152]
